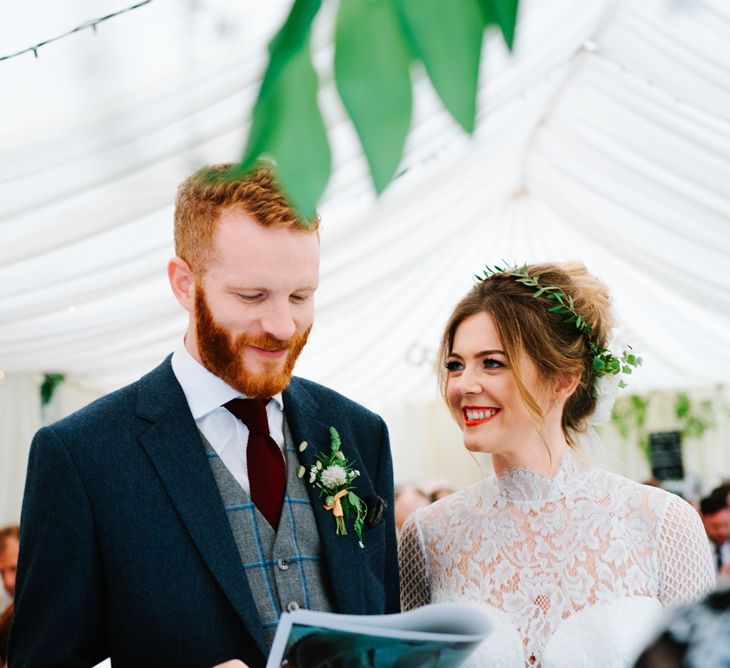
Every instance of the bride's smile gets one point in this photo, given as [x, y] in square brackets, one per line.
[476, 415]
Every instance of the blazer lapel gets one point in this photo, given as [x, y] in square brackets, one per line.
[342, 553]
[173, 445]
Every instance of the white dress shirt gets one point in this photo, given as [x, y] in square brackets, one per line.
[206, 394]
[724, 551]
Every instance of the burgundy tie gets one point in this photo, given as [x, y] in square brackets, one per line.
[265, 463]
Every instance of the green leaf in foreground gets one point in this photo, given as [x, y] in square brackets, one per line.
[447, 37]
[373, 80]
[287, 125]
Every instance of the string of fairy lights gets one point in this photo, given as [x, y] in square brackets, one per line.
[87, 25]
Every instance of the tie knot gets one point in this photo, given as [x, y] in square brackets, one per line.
[252, 412]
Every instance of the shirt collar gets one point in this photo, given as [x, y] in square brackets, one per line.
[203, 390]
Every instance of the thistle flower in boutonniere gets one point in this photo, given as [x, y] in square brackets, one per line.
[334, 476]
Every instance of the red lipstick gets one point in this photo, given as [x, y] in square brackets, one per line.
[476, 415]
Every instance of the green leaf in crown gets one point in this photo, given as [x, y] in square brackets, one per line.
[604, 361]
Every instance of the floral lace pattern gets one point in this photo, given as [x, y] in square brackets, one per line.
[540, 549]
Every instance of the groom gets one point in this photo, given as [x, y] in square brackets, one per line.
[170, 522]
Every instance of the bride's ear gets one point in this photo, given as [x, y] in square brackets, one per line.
[565, 384]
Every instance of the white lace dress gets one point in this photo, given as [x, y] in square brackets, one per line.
[573, 570]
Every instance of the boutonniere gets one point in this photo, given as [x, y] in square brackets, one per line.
[334, 476]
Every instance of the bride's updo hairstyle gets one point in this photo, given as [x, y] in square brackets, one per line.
[527, 327]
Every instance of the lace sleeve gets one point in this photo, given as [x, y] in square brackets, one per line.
[414, 587]
[685, 561]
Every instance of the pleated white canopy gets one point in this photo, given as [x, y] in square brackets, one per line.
[605, 137]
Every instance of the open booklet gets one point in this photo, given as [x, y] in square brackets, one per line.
[439, 635]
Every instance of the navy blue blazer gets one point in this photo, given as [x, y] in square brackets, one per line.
[125, 546]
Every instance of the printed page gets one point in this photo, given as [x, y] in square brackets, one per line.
[437, 635]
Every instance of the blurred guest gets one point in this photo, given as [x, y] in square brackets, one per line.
[5, 619]
[9, 544]
[438, 489]
[696, 637]
[407, 499]
[723, 489]
[716, 519]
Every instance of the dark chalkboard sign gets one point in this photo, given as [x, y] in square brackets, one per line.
[665, 450]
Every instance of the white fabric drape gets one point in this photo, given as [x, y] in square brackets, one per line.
[20, 417]
[604, 137]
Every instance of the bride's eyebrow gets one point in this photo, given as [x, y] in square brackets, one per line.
[480, 355]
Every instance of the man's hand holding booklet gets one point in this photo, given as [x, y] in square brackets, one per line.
[440, 635]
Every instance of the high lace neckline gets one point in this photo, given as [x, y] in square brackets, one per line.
[522, 484]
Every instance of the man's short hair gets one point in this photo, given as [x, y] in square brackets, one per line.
[10, 531]
[713, 503]
[724, 488]
[203, 196]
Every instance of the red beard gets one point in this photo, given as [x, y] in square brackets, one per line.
[223, 356]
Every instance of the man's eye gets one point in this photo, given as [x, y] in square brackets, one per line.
[299, 299]
[454, 365]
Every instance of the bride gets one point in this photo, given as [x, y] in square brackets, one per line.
[573, 564]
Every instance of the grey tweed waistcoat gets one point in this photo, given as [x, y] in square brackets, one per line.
[284, 567]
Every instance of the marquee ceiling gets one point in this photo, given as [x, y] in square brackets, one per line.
[605, 137]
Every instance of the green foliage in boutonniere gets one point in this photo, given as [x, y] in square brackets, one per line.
[334, 476]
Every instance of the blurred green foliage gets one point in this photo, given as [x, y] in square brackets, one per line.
[50, 382]
[694, 416]
[376, 44]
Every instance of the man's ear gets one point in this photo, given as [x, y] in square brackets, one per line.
[182, 282]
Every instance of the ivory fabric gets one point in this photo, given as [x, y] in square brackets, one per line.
[573, 570]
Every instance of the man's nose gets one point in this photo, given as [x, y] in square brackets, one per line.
[278, 321]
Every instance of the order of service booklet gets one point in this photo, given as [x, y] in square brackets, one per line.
[438, 635]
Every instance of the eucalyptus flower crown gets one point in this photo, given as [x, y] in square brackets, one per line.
[604, 361]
